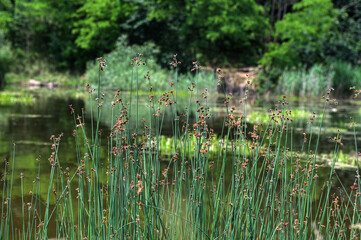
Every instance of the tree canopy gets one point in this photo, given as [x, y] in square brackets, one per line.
[279, 33]
[234, 29]
[301, 34]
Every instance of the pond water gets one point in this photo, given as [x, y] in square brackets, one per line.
[30, 121]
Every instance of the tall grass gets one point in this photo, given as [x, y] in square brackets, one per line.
[247, 183]
[303, 82]
[314, 80]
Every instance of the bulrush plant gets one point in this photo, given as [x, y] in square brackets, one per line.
[248, 182]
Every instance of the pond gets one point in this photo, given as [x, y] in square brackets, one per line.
[26, 126]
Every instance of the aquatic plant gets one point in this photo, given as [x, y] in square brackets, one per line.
[12, 98]
[248, 182]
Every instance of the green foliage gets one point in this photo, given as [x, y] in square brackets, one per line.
[267, 79]
[345, 43]
[313, 81]
[49, 23]
[214, 32]
[344, 76]
[264, 117]
[12, 98]
[233, 29]
[6, 59]
[356, 80]
[97, 23]
[300, 35]
[316, 33]
[240, 184]
[118, 74]
[303, 82]
[5, 15]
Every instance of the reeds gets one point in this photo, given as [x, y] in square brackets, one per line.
[249, 182]
[312, 82]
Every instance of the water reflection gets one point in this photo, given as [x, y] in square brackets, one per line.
[30, 126]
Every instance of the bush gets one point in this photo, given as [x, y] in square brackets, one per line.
[118, 74]
[267, 79]
[356, 80]
[343, 76]
[119, 71]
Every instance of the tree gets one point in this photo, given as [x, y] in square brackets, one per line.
[6, 59]
[299, 37]
[232, 29]
[97, 25]
[5, 13]
[29, 23]
[345, 43]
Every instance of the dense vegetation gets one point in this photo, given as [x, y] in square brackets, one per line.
[249, 181]
[277, 34]
[246, 181]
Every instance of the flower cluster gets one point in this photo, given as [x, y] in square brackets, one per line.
[102, 64]
[137, 61]
[175, 62]
[220, 76]
[195, 66]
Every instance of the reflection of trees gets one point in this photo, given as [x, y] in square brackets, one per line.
[30, 128]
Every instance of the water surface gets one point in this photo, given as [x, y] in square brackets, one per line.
[28, 126]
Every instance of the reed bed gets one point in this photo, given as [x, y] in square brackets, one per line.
[246, 183]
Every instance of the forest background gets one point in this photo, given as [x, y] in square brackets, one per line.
[294, 41]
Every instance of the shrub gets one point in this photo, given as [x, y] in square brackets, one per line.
[119, 70]
[345, 76]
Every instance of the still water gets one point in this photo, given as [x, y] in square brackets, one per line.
[28, 119]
